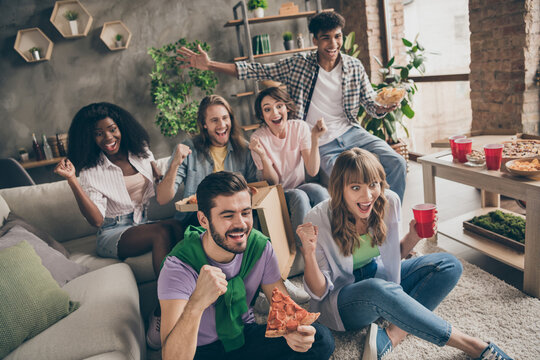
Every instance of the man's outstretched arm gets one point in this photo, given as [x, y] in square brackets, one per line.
[202, 61]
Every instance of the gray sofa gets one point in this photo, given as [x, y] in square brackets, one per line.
[116, 297]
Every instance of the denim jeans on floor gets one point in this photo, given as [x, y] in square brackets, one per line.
[393, 163]
[259, 347]
[301, 199]
[425, 282]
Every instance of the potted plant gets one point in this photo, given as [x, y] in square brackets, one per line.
[257, 6]
[288, 42]
[173, 89]
[393, 76]
[72, 16]
[35, 52]
[118, 39]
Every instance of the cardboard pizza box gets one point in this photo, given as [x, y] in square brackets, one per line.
[288, 9]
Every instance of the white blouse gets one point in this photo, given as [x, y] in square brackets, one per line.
[105, 186]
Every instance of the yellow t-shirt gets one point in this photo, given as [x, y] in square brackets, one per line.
[218, 154]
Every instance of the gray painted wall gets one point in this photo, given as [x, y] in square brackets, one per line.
[43, 97]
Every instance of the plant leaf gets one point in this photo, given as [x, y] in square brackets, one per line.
[378, 61]
[390, 62]
[349, 41]
[407, 110]
[406, 42]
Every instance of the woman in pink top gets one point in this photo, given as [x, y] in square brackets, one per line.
[284, 150]
[109, 149]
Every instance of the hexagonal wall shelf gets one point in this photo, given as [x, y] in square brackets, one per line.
[33, 38]
[83, 23]
[110, 30]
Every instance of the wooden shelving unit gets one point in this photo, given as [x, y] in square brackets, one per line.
[284, 52]
[33, 37]
[109, 32]
[243, 22]
[35, 164]
[84, 19]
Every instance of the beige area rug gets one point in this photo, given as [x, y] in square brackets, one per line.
[480, 305]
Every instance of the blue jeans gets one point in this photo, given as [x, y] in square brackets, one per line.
[259, 347]
[300, 200]
[425, 282]
[393, 163]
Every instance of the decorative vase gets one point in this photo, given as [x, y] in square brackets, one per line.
[118, 43]
[300, 41]
[289, 44]
[74, 27]
[258, 12]
[36, 55]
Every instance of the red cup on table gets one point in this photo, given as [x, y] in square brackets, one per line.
[452, 140]
[425, 214]
[463, 147]
[493, 156]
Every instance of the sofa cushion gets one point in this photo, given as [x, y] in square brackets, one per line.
[61, 268]
[4, 210]
[31, 299]
[83, 251]
[50, 207]
[106, 325]
[13, 220]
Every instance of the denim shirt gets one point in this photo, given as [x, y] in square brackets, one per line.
[197, 166]
[338, 269]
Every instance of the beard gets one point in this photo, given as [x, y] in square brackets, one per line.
[222, 241]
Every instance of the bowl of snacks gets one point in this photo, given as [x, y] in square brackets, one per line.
[475, 158]
[524, 167]
[390, 96]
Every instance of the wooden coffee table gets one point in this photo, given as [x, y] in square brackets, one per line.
[491, 183]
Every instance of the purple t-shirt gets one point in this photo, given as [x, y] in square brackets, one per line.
[177, 280]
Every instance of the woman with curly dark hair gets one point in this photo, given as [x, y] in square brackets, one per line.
[109, 149]
[353, 268]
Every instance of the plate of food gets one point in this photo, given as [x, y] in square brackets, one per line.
[188, 204]
[390, 96]
[475, 158]
[524, 167]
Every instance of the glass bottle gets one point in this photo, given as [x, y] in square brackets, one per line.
[61, 148]
[47, 149]
[38, 151]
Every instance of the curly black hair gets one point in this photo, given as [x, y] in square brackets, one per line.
[325, 21]
[83, 151]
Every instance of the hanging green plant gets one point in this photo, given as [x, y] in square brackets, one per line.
[397, 76]
[173, 89]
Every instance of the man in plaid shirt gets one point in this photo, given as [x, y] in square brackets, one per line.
[324, 84]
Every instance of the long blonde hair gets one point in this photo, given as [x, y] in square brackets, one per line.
[356, 166]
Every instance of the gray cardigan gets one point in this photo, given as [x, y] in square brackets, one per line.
[338, 269]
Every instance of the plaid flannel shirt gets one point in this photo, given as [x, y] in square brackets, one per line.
[298, 73]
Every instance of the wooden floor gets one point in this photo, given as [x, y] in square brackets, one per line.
[454, 199]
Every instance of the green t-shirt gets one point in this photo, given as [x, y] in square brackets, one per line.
[363, 254]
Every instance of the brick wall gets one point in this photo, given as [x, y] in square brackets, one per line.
[504, 59]
[365, 18]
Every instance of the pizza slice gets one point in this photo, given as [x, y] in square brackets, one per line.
[285, 315]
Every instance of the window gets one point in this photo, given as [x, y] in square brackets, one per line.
[442, 107]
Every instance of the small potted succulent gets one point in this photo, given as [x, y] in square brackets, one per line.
[288, 42]
[72, 16]
[257, 6]
[35, 52]
[118, 39]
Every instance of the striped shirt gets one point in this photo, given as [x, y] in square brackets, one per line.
[298, 73]
[105, 186]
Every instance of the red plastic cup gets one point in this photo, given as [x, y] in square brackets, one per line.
[493, 156]
[452, 140]
[424, 214]
[463, 147]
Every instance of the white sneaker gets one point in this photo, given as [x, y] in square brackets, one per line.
[370, 346]
[298, 294]
[153, 338]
